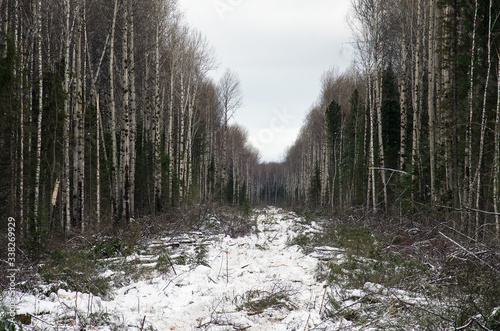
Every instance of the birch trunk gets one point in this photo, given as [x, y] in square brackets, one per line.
[40, 113]
[66, 204]
[378, 102]
[98, 161]
[171, 134]
[79, 132]
[477, 175]
[402, 101]
[20, 74]
[468, 150]
[417, 100]
[496, 164]
[125, 131]
[181, 140]
[430, 100]
[157, 131]
[133, 110]
[372, 150]
[114, 160]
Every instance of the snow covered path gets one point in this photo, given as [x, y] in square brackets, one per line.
[255, 282]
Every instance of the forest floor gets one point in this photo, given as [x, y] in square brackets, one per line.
[288, 273]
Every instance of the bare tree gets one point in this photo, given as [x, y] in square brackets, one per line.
[231, 97]
[496, 158]
[40, 111]
[114, 147]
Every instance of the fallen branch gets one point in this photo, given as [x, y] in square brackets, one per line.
[143, 321]
[389, 169]
[41, 320]
[469, 252]
[252, 313]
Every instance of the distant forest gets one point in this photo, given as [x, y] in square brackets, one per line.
[108, 114]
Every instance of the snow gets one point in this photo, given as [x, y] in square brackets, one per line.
[213, 296]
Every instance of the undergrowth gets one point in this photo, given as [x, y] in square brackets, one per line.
[451, 290]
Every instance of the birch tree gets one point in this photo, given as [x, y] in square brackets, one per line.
[132, 109]
[477, 175]
[231, 97]
[431, 96]
[112, 106]
[66, 220]
[496, 158]
[40, 111]
[157, 205]
[125, 130]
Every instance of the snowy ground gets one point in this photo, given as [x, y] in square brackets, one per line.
[255, 282]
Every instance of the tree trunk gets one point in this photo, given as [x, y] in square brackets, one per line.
[378, 104]
[66, 204]
[40, 113]
[402, 99]
[496, 165]
[171, 135]
[98, 161]
[371, 179]
[157, 130]
[133, 110]
[468, 150]
[417, 89]
[477, 175]
[430, 100]
[125, 131]
[182, 164]
[114, 160]
[20, 73]
[79, 132]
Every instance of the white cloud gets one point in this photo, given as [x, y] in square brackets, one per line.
[279, 48]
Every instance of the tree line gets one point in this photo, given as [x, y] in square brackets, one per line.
[107, 113]
[414, 124]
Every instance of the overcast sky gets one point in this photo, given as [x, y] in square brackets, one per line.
[279, 49]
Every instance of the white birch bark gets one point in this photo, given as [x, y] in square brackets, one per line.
[181, 148]
[430, 100]
[40, 113]
[98, 161]
[417, 90]
[133, 110]
[468, 150]
[402, 96]
[20, 49]
[157, 130]
[171, 134]
[114, 160]
[372, 149]
[496, 162]
[378, 105]
[66, 204]
[477, 175]
[125, 130]
[78, 131]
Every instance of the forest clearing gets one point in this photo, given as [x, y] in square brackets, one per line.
[130, 197]
[287, 273]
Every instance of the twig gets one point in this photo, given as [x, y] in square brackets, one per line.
[322, 301]
[469, 322]
[307, 322]
[143, 321]
[41, 320]
[471, 253]
[389, 169]
[171, 264]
